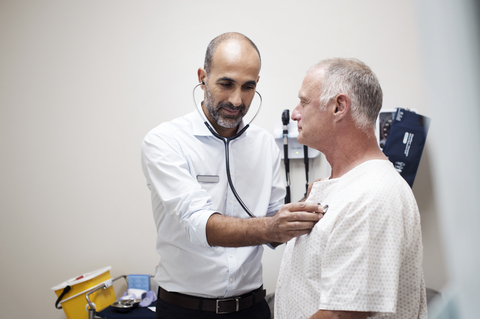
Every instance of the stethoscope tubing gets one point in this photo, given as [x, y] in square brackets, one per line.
[226, 142]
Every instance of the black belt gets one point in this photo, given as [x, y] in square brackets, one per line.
[219, 306]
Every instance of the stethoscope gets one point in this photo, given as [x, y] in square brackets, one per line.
[226, 142]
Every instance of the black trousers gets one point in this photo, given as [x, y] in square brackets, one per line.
[259, 310]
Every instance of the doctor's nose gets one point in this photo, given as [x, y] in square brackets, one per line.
[236, 98]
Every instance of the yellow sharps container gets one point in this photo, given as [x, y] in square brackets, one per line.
[73, 300]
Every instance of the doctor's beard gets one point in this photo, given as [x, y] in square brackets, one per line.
[224, 120]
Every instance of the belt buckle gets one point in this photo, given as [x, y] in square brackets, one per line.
[237, 305]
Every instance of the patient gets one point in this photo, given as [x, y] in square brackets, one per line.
[364, 258]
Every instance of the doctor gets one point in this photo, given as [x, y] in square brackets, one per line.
[210, 249]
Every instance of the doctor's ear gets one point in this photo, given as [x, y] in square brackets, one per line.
[202, 75]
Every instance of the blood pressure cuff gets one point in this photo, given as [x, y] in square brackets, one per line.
[405, 142]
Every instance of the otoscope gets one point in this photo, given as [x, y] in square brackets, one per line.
[285, 120]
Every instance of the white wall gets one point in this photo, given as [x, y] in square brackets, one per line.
[82, 82]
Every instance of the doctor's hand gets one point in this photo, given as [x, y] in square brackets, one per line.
[293, 220]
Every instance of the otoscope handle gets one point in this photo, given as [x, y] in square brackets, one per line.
[287, 196]
[286, 159]
[285, 120]
[305, 155]
[306, 162]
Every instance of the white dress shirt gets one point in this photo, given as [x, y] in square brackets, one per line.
[364, 255]
[175, 156]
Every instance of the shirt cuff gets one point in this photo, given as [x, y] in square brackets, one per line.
[198, 227]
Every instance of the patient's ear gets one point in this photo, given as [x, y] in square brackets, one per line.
[342, 106]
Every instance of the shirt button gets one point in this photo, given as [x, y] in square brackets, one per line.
[229, 201]
[230, 255]
[231, 279]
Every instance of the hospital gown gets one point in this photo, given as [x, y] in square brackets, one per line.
[364, 255]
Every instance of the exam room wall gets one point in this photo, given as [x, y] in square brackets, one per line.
[81, 83]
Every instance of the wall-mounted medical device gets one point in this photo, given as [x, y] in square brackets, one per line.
[384, 123]
[285, 133]
[401, 134]
[295, 149]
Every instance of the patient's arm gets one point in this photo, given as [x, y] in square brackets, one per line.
[328, 314]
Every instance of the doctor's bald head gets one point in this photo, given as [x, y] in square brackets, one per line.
[215, 43]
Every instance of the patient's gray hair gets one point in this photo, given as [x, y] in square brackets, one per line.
[355, 79]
